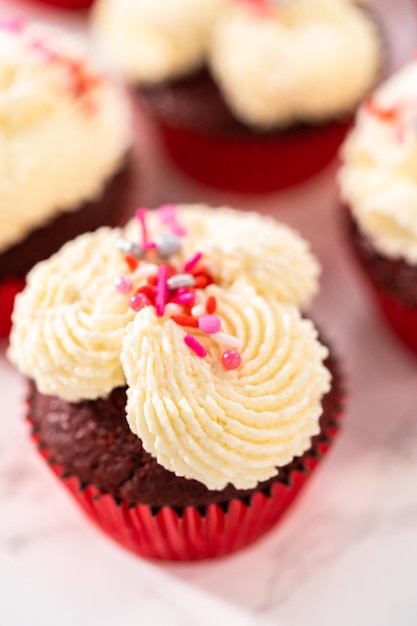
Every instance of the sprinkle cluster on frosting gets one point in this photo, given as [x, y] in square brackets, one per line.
[378, 177]
[225, 378]
[275, 63]
[64, 127]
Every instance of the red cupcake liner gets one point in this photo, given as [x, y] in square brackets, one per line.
[255, 164]
[9, 288]
[192, 533]
[400, 316]
[401, 319]
[71, 5]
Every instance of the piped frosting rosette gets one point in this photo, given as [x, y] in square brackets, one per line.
[224, 376]
[379, 172]
[64, 127]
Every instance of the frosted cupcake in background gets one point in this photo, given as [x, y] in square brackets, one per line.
[378, 183]
[249, 96]
[176, 389]
[65, 149]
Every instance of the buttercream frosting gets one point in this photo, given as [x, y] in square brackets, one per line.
[77, 336]
[155, 40]
[378, 177]
[276, 63]
[64, 129]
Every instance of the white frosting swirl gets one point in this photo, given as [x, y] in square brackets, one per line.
[64, 130]
[378, 177]
[78, 338]
[218, 426]
[69, 321]
[247, 248]
[155, 40]
[309, 60]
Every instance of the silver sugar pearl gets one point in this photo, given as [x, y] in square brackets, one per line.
[181, 280]
[129, 247]
[167, 245]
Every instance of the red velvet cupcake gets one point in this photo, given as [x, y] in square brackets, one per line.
[177, 391]
[66, 161]
[379, 186]
[247, 96]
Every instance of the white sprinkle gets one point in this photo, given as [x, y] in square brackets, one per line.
[198, 310]
[173, 309]
[181, 280]
[225, 340]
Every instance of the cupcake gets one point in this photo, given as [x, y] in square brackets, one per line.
[378, 182]
[248, 96]
[65, 152]
[175, 388]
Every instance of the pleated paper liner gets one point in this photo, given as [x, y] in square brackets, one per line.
[69, 5]
[9, 288]
[194, 533]
[256, 163]
[396, 306]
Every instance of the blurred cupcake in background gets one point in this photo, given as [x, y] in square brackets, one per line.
[177, 391]
[378, 182]
[248, 95]
[65, 150]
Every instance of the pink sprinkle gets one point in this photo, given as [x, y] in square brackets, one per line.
[139, 301]
[168, 216]
[195, 346]
[41, 47]
[14, 24]
[184, 298]
[231, 359]
[124, 284]
[192, 262]
[209, 324]
[161, 290]
[146, 244]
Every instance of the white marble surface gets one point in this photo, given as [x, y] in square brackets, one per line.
[346, 553]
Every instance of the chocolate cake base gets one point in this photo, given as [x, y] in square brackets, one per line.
[91, 440]
[395, 277]
[110, 208]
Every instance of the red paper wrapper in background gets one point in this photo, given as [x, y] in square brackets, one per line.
[402, 319]
[72, 5]
[191, 533]
[392, 284]
[9, 287]
[256, 164]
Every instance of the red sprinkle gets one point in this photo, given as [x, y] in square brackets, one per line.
[132, 262]
[195, 346]
[202, 280]
[211, 305]
[185, 320]
[147, 291]
[152, 280]
[389, 114]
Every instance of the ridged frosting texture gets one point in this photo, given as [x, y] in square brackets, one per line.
[75, 334]
[155, 40]
[246, 248]
[64, 129]
[69, 321]
[304, 61]
[220, 427]
[378, 177]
